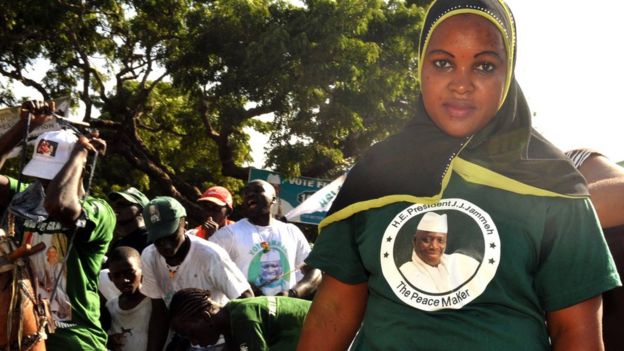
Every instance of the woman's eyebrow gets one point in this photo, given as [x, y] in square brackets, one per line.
[440, 51]
[489, 53]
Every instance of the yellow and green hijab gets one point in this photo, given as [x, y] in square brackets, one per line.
[415, 164]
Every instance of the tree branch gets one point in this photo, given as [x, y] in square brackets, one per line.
[17, 75]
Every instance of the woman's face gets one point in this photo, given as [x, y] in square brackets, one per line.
[463, 74]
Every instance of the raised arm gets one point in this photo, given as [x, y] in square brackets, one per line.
[577, 327]
[335, 316]
[65, 190]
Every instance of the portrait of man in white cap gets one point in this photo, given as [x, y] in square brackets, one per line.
[431, 269]
[271, 272]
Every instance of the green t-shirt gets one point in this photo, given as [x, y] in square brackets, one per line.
[76, 304]
[266, 322]
[533, 253]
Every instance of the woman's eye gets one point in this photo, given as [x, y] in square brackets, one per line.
[485, 67]
[443, 64]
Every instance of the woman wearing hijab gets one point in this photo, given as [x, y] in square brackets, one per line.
[516, 203]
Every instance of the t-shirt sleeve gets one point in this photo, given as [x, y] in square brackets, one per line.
[13, 186]
[227, 275]
[579, 156]
[149, 285]
[574, 260]
[336, 253]
[100, 221]
[303, 247]
[223, 237]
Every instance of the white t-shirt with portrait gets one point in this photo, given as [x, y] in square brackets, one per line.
[269, 256]
[206, 266]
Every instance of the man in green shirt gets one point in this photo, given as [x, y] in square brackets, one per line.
[53, 210]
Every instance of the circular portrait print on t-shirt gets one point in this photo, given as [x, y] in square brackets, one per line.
[440, 256]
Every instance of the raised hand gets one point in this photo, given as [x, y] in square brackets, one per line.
[39, 112]
[210, 227]
[92, 143]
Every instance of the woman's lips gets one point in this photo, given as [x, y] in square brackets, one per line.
[459, 109]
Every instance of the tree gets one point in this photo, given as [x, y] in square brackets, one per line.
[336, 75]
[177, 81]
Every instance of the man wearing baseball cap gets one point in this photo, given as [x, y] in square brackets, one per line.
[216, 203]
[177, 261]
[53, 210]
[130, 230]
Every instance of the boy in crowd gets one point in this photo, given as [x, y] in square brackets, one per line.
[130, 311]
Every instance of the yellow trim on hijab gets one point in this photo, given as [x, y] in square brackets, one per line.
[383, 201]
[476, 174]
[470, 172]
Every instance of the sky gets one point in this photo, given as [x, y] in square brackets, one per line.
[569, 68]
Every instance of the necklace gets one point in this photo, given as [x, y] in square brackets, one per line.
[172, 270]
[264, 236]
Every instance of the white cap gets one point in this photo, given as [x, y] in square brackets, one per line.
[274, 179]
[52, 151]
[433, 222]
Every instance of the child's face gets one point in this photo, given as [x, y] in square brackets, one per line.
[463, 74]
[126, 275]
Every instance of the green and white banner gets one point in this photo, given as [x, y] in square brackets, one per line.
[301, 199]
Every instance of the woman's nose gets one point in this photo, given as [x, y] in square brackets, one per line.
[461, 82]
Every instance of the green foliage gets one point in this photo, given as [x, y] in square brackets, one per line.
[337, 76]
[177, 82]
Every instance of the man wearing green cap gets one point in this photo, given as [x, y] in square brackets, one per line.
[130, 229]
[176, 261]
